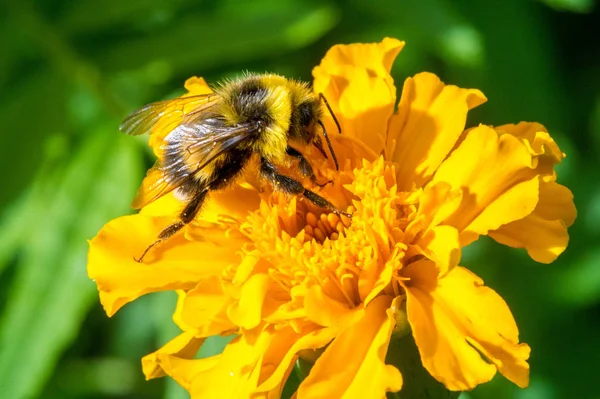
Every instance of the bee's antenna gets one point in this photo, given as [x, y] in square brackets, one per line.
[329, 145]
[322, 98]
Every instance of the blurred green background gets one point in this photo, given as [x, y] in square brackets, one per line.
[71, 70]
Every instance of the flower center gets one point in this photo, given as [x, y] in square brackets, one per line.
[350, 259]
[325, 226]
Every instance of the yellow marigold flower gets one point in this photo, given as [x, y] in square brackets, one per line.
[290, 280]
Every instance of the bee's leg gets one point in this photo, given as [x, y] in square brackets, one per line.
[187, 215]
[292, 186]
[304, 166]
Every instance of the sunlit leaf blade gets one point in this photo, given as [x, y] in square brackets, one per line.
[582, 6]
[51, 293]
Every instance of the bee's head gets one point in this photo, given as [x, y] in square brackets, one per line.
[308, 114]
[306, 122]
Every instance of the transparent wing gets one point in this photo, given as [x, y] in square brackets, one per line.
[187, 150]
[176, 110]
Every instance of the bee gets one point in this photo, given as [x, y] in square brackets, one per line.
[208, 147]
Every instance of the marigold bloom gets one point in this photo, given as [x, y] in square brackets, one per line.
[288, 278]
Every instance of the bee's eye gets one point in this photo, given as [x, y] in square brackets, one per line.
[306, 115]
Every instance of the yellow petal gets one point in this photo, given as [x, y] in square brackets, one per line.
[377, 58]
[540, 145]
[441, 244]
[430, 118]
[496, 177]
[354, 363]
[167, 205]
[543, 233]
[236, 373]
[284, 349]
[175, 264]
[174, 359]
[437, 203]
[204, 309]
[196, 86]
[234, 202]
[247, 310]
[345, 75]
[326, 311]
[455, 321]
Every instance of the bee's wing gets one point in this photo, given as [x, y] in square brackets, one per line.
[176, 110]
[194, 143]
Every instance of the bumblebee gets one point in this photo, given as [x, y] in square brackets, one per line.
[207, 147]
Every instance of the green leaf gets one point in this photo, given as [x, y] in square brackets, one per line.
[26, 125]
[581, 6]
[417, 382]
[176, 44]
[51, 292]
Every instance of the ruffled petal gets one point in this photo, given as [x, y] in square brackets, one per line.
[203, 309]
[174, 359]
[345, 76]
[246, 312]
[541, 146]
[257, 364]
[326, 311]
[543, 233]
[236, 372]
[354, 363]
[431, 117]
[284, 349]
[171, 265]
[376, 58]
[441, 244]
[495, 173]
[464, 330]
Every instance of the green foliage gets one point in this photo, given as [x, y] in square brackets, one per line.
[417, 382]
[70, 71]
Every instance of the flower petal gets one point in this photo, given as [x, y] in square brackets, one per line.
[284, 350]
[543, 233]
[541, 146]
[247, 310]
[441, 244]
[234, 202]
[204, 309]
[236, 373]
[431, 117]
[457, 322]
[377, 58]
[172, 265]
[326, 311]
[354, 363]
[174, 359]
[496, 176]
[345, 74]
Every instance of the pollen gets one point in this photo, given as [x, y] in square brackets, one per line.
[325, 226]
